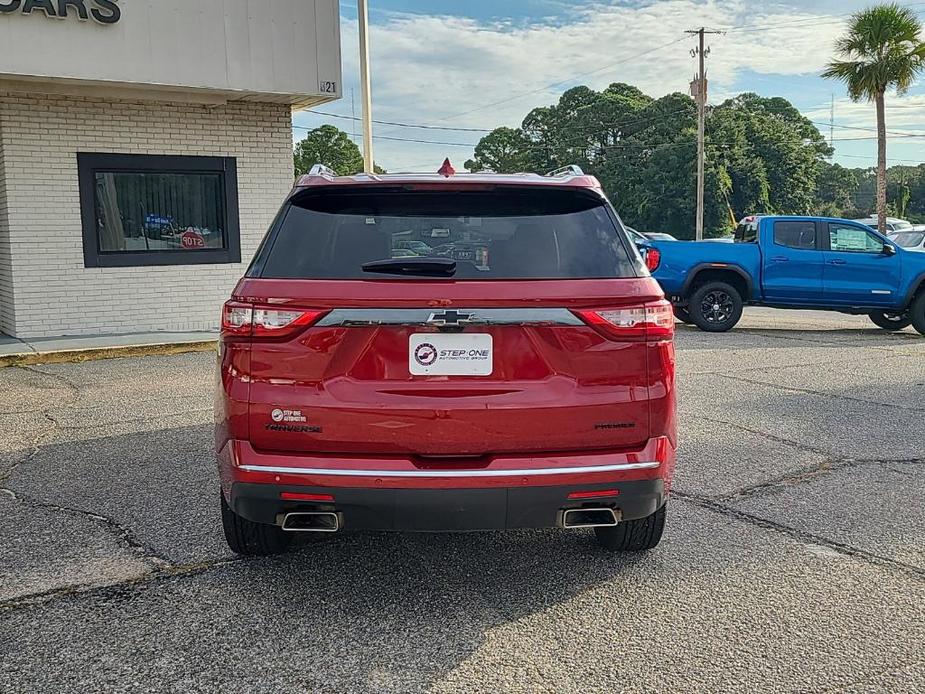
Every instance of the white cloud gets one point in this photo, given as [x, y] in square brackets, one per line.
[431, 69]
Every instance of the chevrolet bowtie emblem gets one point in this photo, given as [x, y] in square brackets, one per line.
[451, 318]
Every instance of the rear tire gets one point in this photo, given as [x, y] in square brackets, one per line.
[252, 539]
[891, 321]
[715, 307]
[917, 312]
[635, 535]
[682, 314]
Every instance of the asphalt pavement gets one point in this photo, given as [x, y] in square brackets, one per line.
[794, 555]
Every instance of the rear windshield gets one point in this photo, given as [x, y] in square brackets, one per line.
[909, 239]
[507, 234]
[747, 231]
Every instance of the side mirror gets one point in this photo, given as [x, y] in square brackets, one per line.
[889, 249]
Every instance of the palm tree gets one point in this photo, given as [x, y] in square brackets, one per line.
[881, 50]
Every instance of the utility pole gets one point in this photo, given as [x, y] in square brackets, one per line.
[832, 123]
[363, 17]
[353, 112]
[699, 92]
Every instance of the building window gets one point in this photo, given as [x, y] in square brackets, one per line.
[158, 210]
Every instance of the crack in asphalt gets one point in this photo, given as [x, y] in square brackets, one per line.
[807, 474]
[821, 394]
[35, 444]
[125, 536]
[801, 536]
[806, 448]
[170, 571]
[763, 332]
[154, 577]
[136, 420]
[780, 367]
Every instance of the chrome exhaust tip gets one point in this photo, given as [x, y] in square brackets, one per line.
[589, 517]
[311, 522]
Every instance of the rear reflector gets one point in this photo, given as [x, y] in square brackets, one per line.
[300, 496]
[249, 320]
[594, 494]
[653, 321]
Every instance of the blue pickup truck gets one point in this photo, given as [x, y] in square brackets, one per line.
[792, 262]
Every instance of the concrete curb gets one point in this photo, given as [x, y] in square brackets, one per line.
[116, 352]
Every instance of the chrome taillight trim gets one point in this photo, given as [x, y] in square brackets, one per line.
[340, 472]
[428, 317]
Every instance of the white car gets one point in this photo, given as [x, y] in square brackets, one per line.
[892, 224]
[911, 239]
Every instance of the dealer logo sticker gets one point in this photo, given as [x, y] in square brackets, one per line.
[425, 354]
[291, 421]
[287, 416]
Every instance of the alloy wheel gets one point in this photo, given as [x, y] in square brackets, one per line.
[717, 307]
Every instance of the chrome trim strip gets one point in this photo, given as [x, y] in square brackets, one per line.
[360, 317]
[617, 467]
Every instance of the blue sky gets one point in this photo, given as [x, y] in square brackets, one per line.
[485, 63]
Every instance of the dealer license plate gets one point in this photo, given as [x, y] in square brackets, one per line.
[440, 354]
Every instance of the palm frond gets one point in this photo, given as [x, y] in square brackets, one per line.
[882, 49]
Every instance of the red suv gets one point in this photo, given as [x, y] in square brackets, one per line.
[520, 377]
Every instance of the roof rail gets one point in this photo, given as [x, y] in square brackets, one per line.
[322, 170]
[570, 170]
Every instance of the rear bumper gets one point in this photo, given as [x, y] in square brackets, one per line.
[393, 493]
[446, 510]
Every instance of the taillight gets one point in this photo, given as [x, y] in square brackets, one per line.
[250, 320]
[653, 258]
[651, 322]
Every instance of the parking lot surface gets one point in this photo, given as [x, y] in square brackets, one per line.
[794, 556]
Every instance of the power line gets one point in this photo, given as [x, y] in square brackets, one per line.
[653, 119]
[874, 157]
[401, 125]
[814, 20]
[397, 124]
[403, 139]
[869, 129]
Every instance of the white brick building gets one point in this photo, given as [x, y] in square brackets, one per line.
[132, 197]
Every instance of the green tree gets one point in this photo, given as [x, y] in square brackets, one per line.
[836, 189]
[770, 151]
[329, 146]
[503, 150]
[762, 154]
[882, 50]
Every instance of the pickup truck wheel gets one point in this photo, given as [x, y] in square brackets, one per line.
[682, 314]
[715, 307]
[252, 539]
[891, 321]
[917, 312]
[634, 535]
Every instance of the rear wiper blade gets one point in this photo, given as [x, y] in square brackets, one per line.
[431, 267]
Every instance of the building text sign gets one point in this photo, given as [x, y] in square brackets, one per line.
[102, 11]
